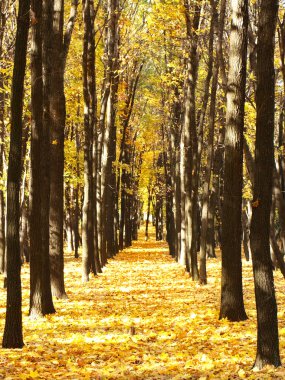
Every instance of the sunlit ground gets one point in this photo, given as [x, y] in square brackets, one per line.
[143, 318]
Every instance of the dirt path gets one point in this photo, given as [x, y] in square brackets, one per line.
[143, 318]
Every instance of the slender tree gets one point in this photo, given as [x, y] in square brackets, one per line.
[3, 19]
[88, 257]
[110, 133]
[191, 139]
[208, 169]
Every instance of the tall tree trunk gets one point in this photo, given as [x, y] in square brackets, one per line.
[40, 287]
[148, 211]
[191, 140]
[57, 115]
[207, 179]
[182, 259]
[88, 255]
[267, 325]
[109, 192]
[232, 306]
[13, 335]
[2, 197]
[76, 196]
[246, 227]
[169, 167]
[2, 136]
[210, 146]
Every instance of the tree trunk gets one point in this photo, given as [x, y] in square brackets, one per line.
[3, 19]
[246, 228]
[267, 325]
[13, 335]
[88, 258]
[40, 287]
[2, 198]
[232, 306]
[208, 170]
[191, 141]
[57, 115]
[148, 212]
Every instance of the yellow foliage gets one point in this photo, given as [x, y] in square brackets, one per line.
[142, 318]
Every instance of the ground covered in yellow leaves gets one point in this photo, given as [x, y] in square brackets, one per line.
[143, 318]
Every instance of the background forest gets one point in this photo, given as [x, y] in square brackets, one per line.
[116, 114]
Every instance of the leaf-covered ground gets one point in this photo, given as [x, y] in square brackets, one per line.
[143, 318]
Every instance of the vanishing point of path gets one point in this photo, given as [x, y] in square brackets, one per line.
[143, 318]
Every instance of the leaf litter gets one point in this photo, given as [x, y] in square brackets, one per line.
[142, 318]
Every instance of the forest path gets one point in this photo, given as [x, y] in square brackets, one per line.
[142, 318]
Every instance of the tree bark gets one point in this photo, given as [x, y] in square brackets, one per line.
[191, 141]
[13, 335]
[232, 306]
[267, 325]
[88, 254]
[57, 118]
[3, 19]
[210, 148]
[40, 286]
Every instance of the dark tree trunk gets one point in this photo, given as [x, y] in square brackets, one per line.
[246, 218]
[232, 306]
[57, 117]
[208, 170]
[159, 217]
[13, 335]
[267, 325]
[88, 257]
[210, 248]
[148, 212]
[2, 136]
[2, 198]
[40, 287]
[191, 141]
[169, 168]
[175, 132]
[24, 231]
[278, 261]
[218, 158]
[183, 256]
[109, 192]
[76, 216]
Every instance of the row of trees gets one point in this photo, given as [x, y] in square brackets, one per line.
[168, 110]
[207, 190]
[101, 203]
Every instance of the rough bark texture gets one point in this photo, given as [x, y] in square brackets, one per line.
[40, 293]
[210, 147]
[57, 117]
[88, 258]
[2, 199]
[191, 141]
[3, 19]
[232, 306]
[13, 336]
[109, 191]
[267, 325]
